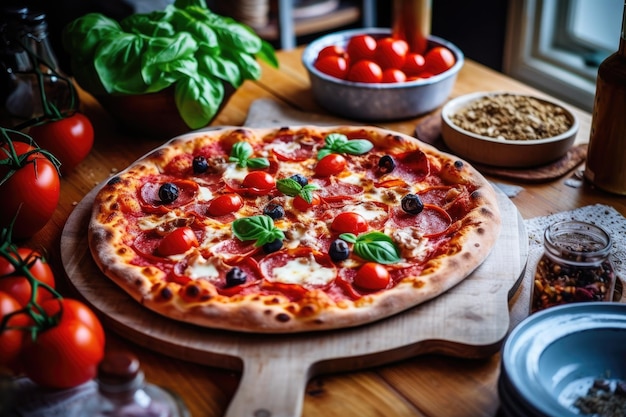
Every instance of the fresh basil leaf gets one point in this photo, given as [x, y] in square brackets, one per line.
[260, 228]
[241, 151]
[258, 163]
[288, 186]
[307, 192]
[125, 54]
[374, 246]
[198, 100]
[356, 146]
[339, 143]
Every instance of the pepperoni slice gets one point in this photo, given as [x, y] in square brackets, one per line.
[307, 258]
[149, 195]
[288, 148]
[433, 220]
[333, 191]
[233, 251]
[411, 167]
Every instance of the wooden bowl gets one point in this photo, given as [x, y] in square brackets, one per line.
[504, 152]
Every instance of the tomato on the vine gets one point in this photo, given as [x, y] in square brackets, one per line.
[372, 276]
[67, 353]
[365, 71]
[178, 241]
[11, 338]
[16, 283]
[391, 52]
[225, 204]
[335, 66]
[438, 60]
[69, 139]
[331, 164]
[361, 47]
[33, 188]
[349, 222]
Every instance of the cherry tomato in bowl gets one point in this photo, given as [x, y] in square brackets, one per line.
[69, 139]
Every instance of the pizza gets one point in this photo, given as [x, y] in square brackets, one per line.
[292, 229]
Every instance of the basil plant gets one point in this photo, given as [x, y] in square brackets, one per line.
[185, 46]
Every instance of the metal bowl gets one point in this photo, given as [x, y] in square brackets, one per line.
[553, 357]
[501, 152]
[378, 101]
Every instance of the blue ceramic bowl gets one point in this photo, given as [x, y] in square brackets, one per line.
[378, 101]
[553, 357]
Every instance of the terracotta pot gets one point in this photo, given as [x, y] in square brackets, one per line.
[153, 115]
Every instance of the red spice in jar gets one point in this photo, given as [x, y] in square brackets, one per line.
[575, 266]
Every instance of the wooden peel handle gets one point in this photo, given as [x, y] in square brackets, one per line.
[411, 22]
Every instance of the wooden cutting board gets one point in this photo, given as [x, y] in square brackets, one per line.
[471, 320]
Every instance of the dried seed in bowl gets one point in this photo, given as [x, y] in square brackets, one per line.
[512, 117]
[604, 399]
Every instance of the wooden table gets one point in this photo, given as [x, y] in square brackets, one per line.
[429, 385]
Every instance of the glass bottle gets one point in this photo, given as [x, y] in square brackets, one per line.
[123, 392]
[28, 68]
[575, 266]
[606, 155]
[411, 22]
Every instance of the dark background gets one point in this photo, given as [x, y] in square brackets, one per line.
[477, 28]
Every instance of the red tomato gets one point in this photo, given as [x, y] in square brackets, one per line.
[69, 139]
[365, 71]
[178, 241]
[349, 222]
[33, 189]
[301, 204]
[68, 353]
[438, 60]
[261, 181]
[18, 285]
[372, 276]
[331, 164]
[414, 64]
[361, 47]
[393, 75]
[335, 66]
[391, 53]
[11, 339]
[332, 50]
[225, 204]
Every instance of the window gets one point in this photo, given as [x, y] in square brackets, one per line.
[556, 45]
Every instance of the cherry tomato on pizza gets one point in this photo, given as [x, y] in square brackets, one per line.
[69, 139]
[301, 204]
[331, 164]
[68, 351]
[361, 47]
[391, 53]
[335, 66]
[178, 241]
[372, 276]
[225, 204]
[16, 283]
[365, 71]
[438, 60]
[349, 222]
[30, 187]
[11, 336]
[260, 181]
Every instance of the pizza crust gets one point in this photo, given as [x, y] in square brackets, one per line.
[111, 239]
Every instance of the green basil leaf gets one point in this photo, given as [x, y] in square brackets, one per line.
[356, 146]
[198, 100]
[241, 151]
[258, 163]
[323, 152]
[260, 228]
[374, 246]
[288, 186]
[307, 192]
[335, 140]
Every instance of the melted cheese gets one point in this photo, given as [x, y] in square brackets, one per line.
[411, 242]
[154, 221]
[369, 211]
[199, 267]
[204, 194]
[303, 271]
[233, 172]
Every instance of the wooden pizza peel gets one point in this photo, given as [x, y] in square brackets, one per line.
[470, 320]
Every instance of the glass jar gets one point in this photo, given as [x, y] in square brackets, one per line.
[575, 266]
